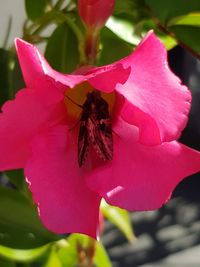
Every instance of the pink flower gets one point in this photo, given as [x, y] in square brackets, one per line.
[149, 108]
[95, 12]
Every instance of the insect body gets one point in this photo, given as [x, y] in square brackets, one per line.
[95, 128]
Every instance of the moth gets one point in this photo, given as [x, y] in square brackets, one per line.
[95, 128]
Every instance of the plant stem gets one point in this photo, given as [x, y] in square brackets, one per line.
[91, 45]
[80, 38]
[86, 255]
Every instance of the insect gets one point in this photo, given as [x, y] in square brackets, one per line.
[95, 128]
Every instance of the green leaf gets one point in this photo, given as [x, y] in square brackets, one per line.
[120, 218]
[10, 75]
[16, 177]
[192, 19]
[147, 25]
[23, 255]
[165, 10]
[113, 47]
[123, 29]
[53, 259]
[35, 8]
[69, 248]
[131, 10]
[188, 35]
[16, 78]
[101, 258]
[6, 263]
[181, 19]
[123, 6]
[4, 75]
[20, 226]
[168, 41]
[62, 49]
[71, 259]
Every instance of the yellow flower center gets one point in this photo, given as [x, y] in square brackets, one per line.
[74, 98]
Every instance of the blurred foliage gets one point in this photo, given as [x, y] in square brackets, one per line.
[21, 228]
[79, 248]
[10, 75]
[23, 255]
[168, 10]
[59, 49]
[35, 9]
[179, 19]
[120, 218]
[113, 47]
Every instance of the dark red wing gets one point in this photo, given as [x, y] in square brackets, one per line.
[83, 143]
[100, 136]
[95, 128]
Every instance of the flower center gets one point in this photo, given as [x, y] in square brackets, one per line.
[95, 126]
[74, 98]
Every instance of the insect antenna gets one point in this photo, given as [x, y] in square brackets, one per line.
[73, 101]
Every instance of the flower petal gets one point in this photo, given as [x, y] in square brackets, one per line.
[20, 120]
[106, 78]
[142, 177]
[156, 102]
[65, 203]
[33, 65]
[39, 75]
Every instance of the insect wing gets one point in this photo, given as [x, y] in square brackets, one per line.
[83, 143]
[100, 136]
[95, 128]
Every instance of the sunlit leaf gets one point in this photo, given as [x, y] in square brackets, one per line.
[101, 258]
[120, 218]
[23, 255]
[192, 19]
[53, 259]
[166, 10]
[168, 41]
[71, 259]
[70, 249]
[123, 29]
